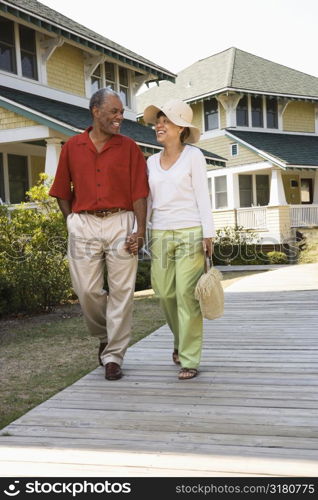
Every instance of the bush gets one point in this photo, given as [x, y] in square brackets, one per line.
[143, 279]
[34, 271]
[277, 257]
[236, 246]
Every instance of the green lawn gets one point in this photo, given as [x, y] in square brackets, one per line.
[44, 354]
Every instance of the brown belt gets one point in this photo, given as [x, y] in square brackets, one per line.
[105, 212]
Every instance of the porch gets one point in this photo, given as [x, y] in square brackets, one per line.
[257, 217]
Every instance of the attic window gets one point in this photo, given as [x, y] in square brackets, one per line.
[234, 149]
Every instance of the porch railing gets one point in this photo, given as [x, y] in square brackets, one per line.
[252, 217]
[303, 215]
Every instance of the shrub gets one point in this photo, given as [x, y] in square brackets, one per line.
[143, 279]
[34, 271]
[234, 245]
[277, 257]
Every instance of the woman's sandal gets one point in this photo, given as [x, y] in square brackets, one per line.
[175, 357]
[187, 373]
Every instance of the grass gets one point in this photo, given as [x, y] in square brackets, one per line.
[41, 355]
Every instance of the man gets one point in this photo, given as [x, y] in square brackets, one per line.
[101, 187]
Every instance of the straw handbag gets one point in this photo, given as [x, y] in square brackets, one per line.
[209, 292]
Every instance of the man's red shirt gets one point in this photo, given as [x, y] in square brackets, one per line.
[113, 178]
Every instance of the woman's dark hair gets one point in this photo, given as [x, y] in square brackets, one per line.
[185, 132]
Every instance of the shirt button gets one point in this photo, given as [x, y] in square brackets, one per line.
[98, 185]
[98, 170]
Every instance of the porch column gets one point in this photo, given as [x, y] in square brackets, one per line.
[315, 196]
[277, 192]
[53, 150]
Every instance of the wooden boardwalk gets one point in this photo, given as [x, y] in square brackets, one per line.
[253, 410]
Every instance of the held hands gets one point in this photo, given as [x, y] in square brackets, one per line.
[208, 246]
[134, 242]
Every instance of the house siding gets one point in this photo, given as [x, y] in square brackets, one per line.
[278, 223]
[292, 194]
[65, 70]
[221, 146]
[299, 117]
[9, 119]
[223, 218]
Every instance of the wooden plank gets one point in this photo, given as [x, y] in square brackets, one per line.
[252, 410]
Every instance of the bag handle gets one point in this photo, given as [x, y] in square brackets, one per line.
[208, 263]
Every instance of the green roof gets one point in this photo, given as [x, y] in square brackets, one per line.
[292, 149]
[44, 17]
[79, 118]
[236, 70]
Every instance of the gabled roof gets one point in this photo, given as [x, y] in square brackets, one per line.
[70, 119]
[42, 16]
[290, 149]
[236, 70]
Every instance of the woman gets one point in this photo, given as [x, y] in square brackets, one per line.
[182, 227]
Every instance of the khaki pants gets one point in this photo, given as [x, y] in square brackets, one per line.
[177, 262]
[94, 243]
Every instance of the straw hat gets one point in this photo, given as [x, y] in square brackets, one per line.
[178, 112]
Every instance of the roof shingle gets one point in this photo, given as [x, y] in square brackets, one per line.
[293, 149]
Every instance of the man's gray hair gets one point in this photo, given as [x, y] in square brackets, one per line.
[99, 97]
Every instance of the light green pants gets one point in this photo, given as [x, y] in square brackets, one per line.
[177, 264]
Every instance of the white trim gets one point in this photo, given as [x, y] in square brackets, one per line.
[270, 131]
[99, 44]
[251, 167]
[249, 92]
[210, 134]
[24, 134]
[23, 149]
[33, 87]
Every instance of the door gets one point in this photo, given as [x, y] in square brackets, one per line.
[306, 191]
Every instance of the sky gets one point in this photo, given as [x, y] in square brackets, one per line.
[174, 34]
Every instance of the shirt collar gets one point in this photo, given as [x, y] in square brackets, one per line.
[115, 140]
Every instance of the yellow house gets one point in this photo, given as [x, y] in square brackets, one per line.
[263, 118]
[49, 67]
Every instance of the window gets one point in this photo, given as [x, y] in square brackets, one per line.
[7, 46]
[242, 112]
[113, 76]
[257, 111]
[234, 149]
[2, 196]
[110, 75]
[262, 189]
[220, 192]
[123, 86]
[271, 113]
[20, 45]
[246, 191]
[28, 53]
[96, 80]
[211, 115]
[18, 177]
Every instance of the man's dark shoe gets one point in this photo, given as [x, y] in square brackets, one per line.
[102, 346]
[113, 371]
